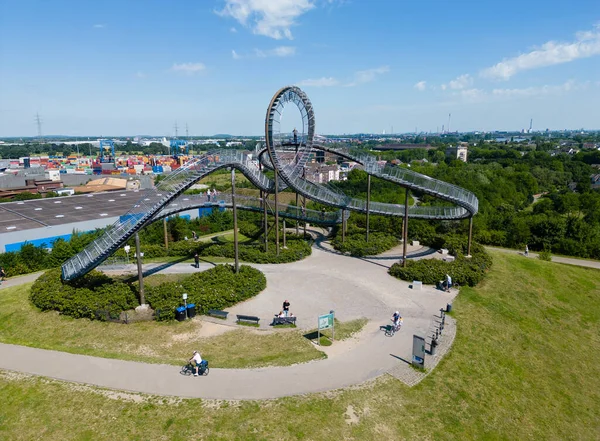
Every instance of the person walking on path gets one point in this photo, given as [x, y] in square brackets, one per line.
[448, 282]
[286, 308]
[526, 251]
[197, 260]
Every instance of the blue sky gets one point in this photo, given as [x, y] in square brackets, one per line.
[132, 67]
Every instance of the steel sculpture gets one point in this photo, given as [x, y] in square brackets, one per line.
[167, 197]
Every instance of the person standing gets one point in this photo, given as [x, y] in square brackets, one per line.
[526, 251]
[197, 260]
[286, 308]
[448, 282]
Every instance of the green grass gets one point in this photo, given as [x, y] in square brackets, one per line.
[153, 342]
[525, 365]
[343, 330]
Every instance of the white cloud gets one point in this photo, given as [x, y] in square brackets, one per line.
[479, 95]
[542, 90]
[586, 44]
[421, 86]
[99, 26]
[461, 82]
[319, 82]
[188, 68]
[232, 29]
[267, 17]
[140, 74]
[366, 76]
[280, 51]
[360, 77]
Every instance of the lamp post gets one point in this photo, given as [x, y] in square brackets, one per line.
[127, 248]
[139, 256]
[235, 229]
[184, 297]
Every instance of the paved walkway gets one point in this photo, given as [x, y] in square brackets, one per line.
[557, 259]
[352, 287]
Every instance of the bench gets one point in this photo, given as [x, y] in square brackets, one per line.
[247, 318]
[218, 313]
[284, 321]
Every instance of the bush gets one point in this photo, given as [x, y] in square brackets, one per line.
[82, 297]
[464, 271]
[216, 288]
[297, 249]
[356, 245]
[545, 255]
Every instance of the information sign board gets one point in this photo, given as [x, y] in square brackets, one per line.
[418, 356]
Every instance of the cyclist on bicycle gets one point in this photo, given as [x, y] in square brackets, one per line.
[397, 320]
[196, 360]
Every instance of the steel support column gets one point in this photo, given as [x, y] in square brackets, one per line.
[266, 222]
[284, 243]
[235, 229]
[368, 203]
[276, 215]
[470, 235]
[304, 202]
[139, 268]
[297, 222]
[343, 226]
[166, 233]
[405, 230]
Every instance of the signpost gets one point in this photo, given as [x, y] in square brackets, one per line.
[418, 358]
[325, 322]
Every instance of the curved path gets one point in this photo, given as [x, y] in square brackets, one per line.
[352, 287]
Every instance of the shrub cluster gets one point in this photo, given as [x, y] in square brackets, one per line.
[216, 288]
[356, 245]
[82, 297]
[463, 270]
[297, 249]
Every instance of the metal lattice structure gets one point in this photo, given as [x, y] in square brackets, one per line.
[167, 197]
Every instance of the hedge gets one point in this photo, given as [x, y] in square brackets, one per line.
[463, 270]
[356, 244]
[82, 297]
[297, 249]
[216, 288]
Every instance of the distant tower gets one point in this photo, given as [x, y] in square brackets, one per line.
[530, 124]
[187, 132]
[449, 116]
[38, 121]
[295, 132]
[176, 129]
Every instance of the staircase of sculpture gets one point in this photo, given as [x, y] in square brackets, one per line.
[154, 200]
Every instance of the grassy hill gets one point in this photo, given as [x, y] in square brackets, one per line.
[525, 365]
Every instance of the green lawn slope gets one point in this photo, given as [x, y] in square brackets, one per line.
[525, 365]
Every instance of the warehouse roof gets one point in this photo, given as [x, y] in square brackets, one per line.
[36, 213]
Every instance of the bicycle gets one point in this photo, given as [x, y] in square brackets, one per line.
[390, 330]
[190, 369]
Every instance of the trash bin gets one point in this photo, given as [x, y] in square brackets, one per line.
[180, 313]
[191, 310]
[449, 307]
